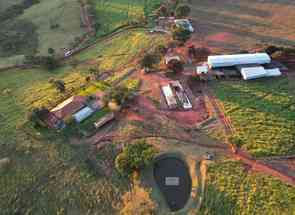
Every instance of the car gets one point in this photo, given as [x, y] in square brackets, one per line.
[185, 24]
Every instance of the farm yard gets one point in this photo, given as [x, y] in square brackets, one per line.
[237, 137]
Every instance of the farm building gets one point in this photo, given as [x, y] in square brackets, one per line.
[202, 69]
[249, 72]
[83, 114]
[70, 106]
[218, 61]
[169, 58]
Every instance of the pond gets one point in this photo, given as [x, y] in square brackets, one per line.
[173, 179]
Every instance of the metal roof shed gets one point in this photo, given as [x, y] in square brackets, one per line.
[249, 73]
[238, 59]
[273, 72]
[83, 114]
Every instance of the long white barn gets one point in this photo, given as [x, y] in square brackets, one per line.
[238, 59]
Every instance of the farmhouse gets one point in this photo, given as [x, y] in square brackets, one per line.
[68, 107]
[78, 107]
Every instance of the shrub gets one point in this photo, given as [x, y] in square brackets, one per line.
[149, 60]
[135, 157]
[175, 66]
[181, 35]
[138, 201]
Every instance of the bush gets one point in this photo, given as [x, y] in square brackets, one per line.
[182, 11]
[175, 66]
[149, 60]
[138, 201]
[135, 157]
[181, 35]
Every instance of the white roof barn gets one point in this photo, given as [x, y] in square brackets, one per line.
[249, 73]
[238, 59]
[273, 72]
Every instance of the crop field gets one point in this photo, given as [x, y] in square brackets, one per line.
[231, 189]
[236, 25]
[262, 113]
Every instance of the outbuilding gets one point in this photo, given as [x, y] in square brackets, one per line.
[218, 61]
[83, 114]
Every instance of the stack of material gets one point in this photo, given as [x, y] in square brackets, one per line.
[169, 96]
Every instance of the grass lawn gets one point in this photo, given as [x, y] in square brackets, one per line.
[232, 190]
[262, 113]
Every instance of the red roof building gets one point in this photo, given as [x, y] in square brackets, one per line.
[69, 107]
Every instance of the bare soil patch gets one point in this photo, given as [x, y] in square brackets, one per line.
[241, 24]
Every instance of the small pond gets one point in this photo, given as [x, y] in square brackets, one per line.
[173, 178]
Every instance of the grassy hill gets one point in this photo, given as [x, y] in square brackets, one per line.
[28, 29]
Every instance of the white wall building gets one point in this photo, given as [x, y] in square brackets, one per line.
[238, 59]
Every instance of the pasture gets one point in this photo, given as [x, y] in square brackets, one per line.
[242, 24]
[65, 13]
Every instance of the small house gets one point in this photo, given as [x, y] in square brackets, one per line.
[68, 107]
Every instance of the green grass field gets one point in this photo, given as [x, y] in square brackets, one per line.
[262, 113]
[232, 190]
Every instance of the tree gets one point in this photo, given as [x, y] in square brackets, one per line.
[51, 51]
[60, 85]
[135, 157]
[175, 65]
[162, 11]
[149, 60]
[50, 62]
[161, 49]
[95, 72]
[138, 201]
[180, 34]
[182, 11]
[38, 116]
